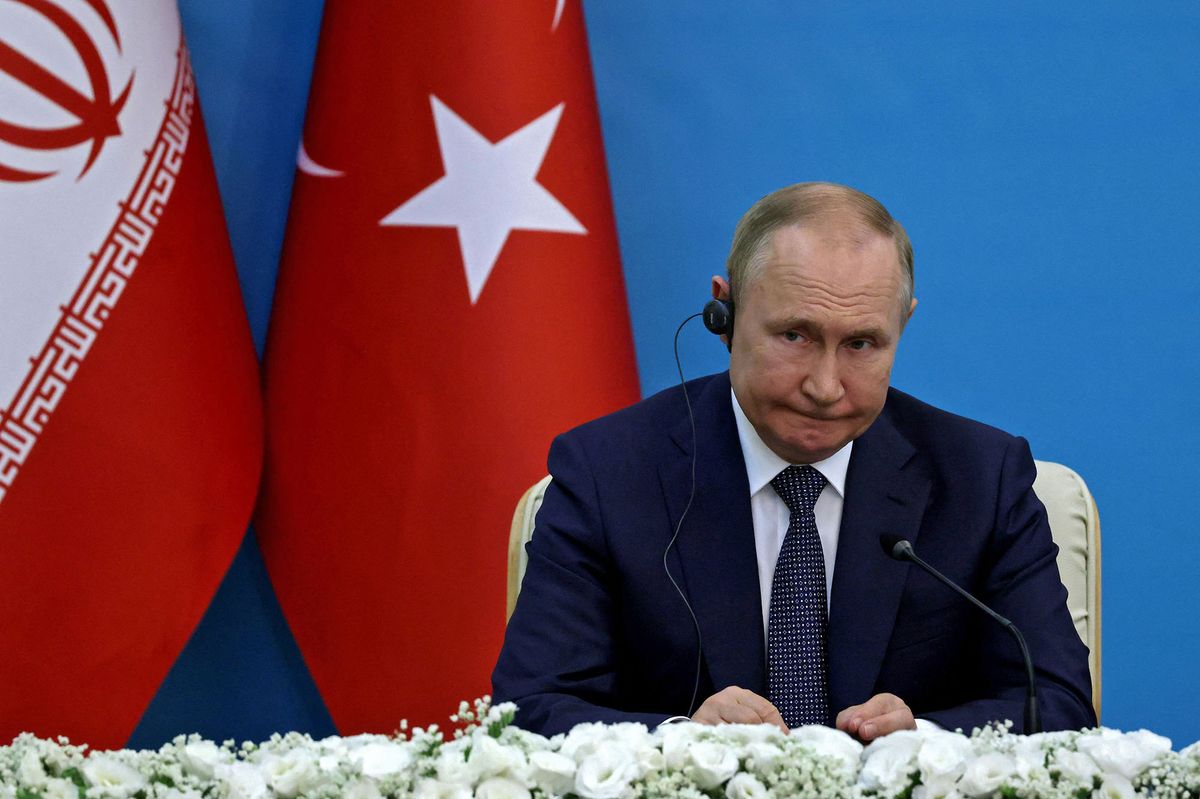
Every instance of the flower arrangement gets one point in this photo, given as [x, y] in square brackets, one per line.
[487, 757]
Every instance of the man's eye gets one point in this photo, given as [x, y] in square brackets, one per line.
[860, 344]
[792, 335]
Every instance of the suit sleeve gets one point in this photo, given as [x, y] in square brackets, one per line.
[559, 659]
[1023, 584]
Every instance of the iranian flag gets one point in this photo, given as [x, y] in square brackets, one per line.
[450, 298]
[130, 414]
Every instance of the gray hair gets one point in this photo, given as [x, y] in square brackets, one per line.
[803, 202]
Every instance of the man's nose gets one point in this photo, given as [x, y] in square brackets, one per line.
[823, 383]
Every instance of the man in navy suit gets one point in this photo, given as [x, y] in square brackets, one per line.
[760, 601]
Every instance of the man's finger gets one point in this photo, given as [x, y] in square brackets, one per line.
[763, 709]
[899, 719]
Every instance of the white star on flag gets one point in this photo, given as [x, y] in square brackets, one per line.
[488, 190]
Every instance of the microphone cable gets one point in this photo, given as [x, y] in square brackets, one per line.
[679, 525]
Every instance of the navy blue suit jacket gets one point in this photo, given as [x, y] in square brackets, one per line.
[600, 634]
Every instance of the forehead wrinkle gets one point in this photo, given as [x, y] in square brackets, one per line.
[810, 289]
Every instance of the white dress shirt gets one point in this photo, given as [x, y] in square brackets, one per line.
[770, 515]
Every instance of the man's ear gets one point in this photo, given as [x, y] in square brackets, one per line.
[720, 288]
[911, 308]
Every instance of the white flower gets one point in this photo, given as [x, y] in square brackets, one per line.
[889, 762]
[176, 793]
[745, 786]
[942, 758]
[676, 740]
[379, 759]
[452, 767]
[1114, 787]
[606, 773]
[60, 789]
[1029, 755]
[30, 771]
[552, 772]
[712, 763]
[734, 734]
[762, 757]
[200, 758]
[490, 758]
[436, 789]
[1075, 765]
[242, 781]
[501, 788]
[1124, 753]
[585, 739]
[831, 743]
[986, 774]
[361, 789]
[292, 774]
[105, 771]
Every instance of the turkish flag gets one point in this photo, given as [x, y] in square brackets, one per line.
[130, 412]
[450, 298]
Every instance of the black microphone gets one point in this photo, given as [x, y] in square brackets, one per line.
[899, 549]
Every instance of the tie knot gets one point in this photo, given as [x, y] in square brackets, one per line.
[799, 487]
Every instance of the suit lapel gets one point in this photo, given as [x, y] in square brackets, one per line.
[886, 492]
[715, 552]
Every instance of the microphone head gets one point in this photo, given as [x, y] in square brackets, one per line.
[895, 547]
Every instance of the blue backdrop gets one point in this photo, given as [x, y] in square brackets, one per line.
[1043, 157]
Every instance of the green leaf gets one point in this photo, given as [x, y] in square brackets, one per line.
[26, 793]
[163, 779]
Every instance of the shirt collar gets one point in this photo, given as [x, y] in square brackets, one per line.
[762, 464]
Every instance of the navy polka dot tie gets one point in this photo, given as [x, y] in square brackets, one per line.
[797, 658]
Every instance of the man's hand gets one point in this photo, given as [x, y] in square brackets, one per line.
[879, 715]
[738, 706]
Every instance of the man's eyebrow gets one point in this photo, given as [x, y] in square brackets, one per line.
[808, 325]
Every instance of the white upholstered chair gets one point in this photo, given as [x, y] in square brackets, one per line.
[1074, 523]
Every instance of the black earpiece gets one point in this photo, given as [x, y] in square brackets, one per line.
[718, 318]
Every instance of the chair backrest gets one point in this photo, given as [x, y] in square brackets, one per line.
[1074, 524]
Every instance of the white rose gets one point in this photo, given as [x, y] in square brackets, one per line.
[200, 758]
[830, 743]
[1029, 755]
[242, 781]
[606, 773]
[381, 759]
[552, 772]
[452, 767]
[631, 735]
[30, 771]
[1127, 753]
[436, 789]
[582, 740]
[114, 776]
[676, 740]
[1191, 751]
[1114, 787]
[889, 761]
[762, 757]
[501, 788]
[986, 774]
[711, 764]
[490, 758]
[292, 774]
[745, 786]
[1075, 765]
[942, 758]
[930, 792]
